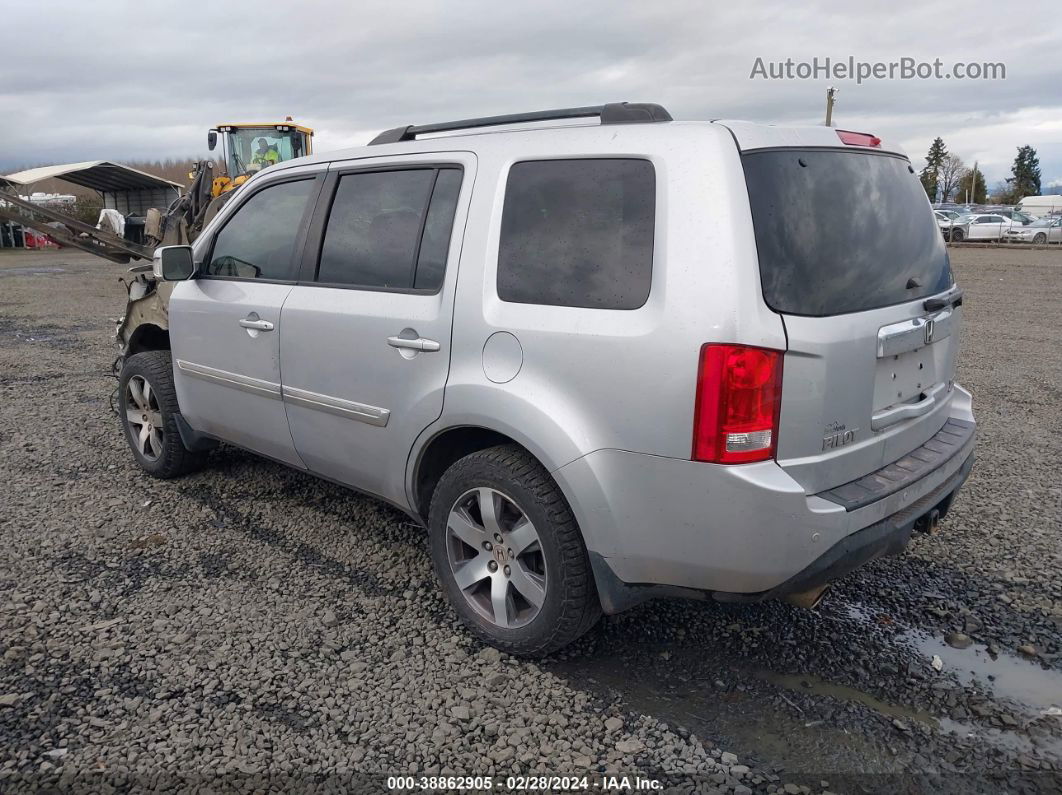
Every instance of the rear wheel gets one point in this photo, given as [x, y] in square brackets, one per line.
[509, 554]
[148, 408]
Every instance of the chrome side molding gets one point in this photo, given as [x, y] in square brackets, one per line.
[373, 415]
[255, 386]
[362, 412]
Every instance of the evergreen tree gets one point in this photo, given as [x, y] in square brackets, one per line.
[1025, 179]
[930, 175]
[972, 187]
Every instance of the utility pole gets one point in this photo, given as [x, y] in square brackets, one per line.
[831, 92]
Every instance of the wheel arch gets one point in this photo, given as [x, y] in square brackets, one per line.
[441, 446]
[148, 337]
[440, 451]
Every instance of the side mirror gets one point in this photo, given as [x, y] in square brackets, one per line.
[212, 139]
[173, 263]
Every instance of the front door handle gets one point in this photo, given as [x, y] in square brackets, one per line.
[418, 344]
[255, 323]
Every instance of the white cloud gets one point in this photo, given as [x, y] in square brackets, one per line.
[128, 80]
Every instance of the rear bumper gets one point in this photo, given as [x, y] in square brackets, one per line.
[661, 526]
[887, 537]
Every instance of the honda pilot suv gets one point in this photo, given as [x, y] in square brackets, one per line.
[600, 355]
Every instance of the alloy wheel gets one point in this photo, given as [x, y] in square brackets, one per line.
[495, 556]
[144, 417]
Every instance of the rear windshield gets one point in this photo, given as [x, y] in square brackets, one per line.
[840, 231]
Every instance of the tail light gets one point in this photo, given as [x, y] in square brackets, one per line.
[739, 393]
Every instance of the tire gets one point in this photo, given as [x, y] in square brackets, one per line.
[956, 236]
[1040, 239]
[160, 452]
[554, 568]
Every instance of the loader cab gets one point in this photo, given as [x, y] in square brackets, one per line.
[240, 143]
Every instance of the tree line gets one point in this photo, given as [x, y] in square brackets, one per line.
[946, 178]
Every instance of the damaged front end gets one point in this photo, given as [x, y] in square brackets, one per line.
[146, 324]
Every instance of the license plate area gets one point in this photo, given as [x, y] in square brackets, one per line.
[903, 377]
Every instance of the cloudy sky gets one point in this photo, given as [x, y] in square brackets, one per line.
[144, 80]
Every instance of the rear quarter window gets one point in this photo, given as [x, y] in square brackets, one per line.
[578, 233]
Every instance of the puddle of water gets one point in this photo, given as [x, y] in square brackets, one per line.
[1007, 676]
[1005, 739]
[1035, 691]
[736, 720]
[807, 683]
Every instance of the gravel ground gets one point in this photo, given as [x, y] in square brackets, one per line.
[251, 627]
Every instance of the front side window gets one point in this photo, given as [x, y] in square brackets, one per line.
[578, 233]
[390, 229]
[258, 241]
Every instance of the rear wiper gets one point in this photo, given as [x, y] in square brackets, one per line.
[933, 304]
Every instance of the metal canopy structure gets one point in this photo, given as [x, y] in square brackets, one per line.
[127, 190]
[101, 175]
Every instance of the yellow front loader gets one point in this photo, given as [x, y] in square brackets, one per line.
[248, 148]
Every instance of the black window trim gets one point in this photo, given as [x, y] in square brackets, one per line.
[318, 226]
[318, 178]
[596, 156]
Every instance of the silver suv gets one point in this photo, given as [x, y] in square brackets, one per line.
[600, 355]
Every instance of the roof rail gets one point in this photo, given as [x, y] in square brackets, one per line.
[611, 113]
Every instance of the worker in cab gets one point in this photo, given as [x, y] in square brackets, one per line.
[265, 155]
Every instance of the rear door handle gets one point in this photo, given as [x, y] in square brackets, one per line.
[254, 323]
[418, 344]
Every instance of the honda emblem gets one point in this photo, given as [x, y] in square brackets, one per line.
[930, 327]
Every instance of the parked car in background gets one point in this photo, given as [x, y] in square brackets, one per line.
[979, 226]
[1045, 230]
[946, 219]
[1020, 217]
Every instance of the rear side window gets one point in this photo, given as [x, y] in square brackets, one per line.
[390, 229]
[258, 241]
[840, 231]
[578, 233]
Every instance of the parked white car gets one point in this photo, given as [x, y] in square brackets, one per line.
[985, 226]
[1046, 230]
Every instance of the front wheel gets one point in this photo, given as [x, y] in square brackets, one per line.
[509, 555]
[956, 236]
[1040, 239]
[148, 407]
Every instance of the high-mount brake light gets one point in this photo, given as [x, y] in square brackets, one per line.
[858, 138]
[739, 392]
